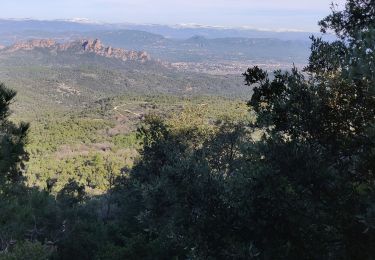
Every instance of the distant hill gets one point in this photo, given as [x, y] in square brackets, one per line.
[176, 32]
[78, 47]
[193, 49]
[199, 48]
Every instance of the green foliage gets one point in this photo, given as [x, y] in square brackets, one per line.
[79, 144]
[358, 16]
[71, 194]
[315, 168]
[12, 141]
[28, 251]
[303, 191]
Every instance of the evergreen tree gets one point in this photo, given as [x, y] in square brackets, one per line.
[12, 141]
[318, 148]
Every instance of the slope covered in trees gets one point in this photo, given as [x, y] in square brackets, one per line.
[294, 182]
[60, 77]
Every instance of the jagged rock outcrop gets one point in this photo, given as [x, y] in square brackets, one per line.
[95, 46]
[31, 45]
[92, 45]
[81, 47]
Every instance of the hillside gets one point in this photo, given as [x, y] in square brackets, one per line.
[85, 101]
[66, 75]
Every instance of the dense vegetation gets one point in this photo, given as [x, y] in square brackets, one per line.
[67, 80]
[296, 181]
[78, 145]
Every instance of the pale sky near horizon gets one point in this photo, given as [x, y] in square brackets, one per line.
[262, 14]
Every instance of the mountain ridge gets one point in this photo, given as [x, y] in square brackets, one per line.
[181, 31]
[80, 47]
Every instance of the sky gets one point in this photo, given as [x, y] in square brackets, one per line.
[260, 14]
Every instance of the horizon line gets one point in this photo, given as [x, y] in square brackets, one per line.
[81, 20]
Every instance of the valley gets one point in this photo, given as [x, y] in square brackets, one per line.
[86, 92]
[85, 101]
[80, 143]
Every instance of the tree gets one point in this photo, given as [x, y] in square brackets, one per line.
[357, 16]
[12, 141]
[317, 151]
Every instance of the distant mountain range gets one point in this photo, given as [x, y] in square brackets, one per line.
[202, 49]
[171, 44]
[176, 31]
[60, 64]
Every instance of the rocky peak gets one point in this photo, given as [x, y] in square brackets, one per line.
[82, 47]
[95, 46]
[92, 45]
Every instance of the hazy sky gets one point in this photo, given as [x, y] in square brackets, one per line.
[264, 14]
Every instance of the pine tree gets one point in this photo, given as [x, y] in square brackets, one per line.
[12, 141]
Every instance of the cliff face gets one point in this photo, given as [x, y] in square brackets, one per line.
[81, 47]
[95, 46]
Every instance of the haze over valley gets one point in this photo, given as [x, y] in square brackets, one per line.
[187, 45]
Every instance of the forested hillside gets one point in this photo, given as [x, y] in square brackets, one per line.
[64, 76]
[283, 172]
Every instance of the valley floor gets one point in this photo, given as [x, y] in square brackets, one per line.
[81, 143]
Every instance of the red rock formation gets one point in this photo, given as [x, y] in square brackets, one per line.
[81, 47]
[95, 46]
[32, 44]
